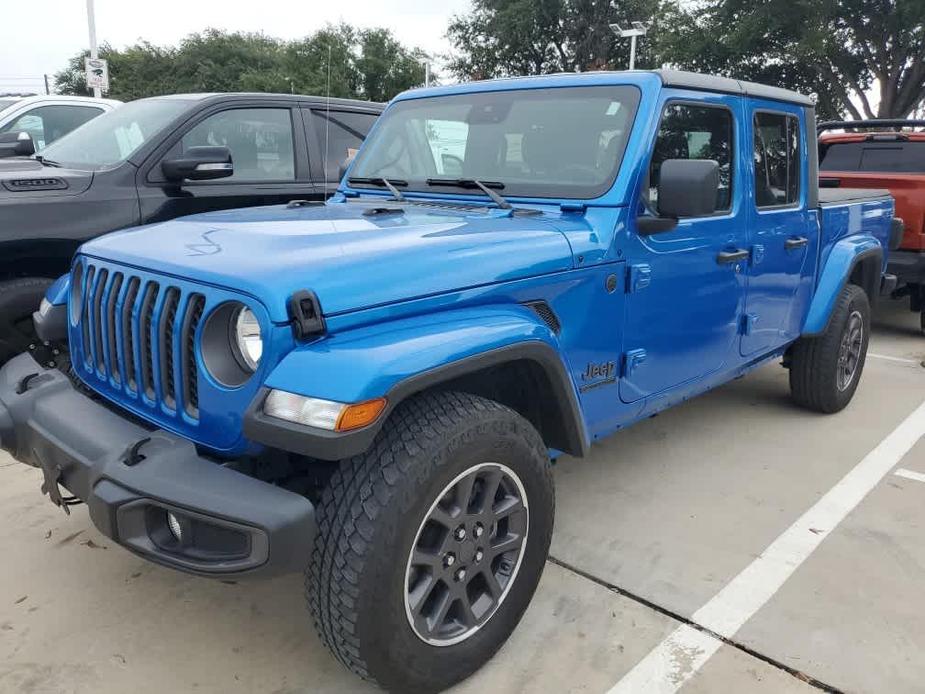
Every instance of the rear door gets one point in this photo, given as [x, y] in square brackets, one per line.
[782, 233]
[686, 288]
[334, 136]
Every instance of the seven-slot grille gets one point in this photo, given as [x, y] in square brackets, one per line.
[139, 335]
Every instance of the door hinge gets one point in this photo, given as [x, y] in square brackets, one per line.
[638, 277]
[748, 324]
[632, 360]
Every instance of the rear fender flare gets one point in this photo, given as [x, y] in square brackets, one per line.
[845, 256]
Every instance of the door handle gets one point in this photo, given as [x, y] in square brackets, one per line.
[797, 242]
[727, 257]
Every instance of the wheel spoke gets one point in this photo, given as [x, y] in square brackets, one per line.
[464, 493]
[443, 607]
[505, 544]
[421, 591]
[507, 506]
[494, 588]
[432, 560]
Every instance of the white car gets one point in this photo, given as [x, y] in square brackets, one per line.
[46, 118]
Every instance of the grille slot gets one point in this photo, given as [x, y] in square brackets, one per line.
[140, 338]
[128, 342]
[112, 349]
[165, 346]
[146, 322]
[97, 342]
[194, 309]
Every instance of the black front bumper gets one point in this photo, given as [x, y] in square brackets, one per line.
[131, 477]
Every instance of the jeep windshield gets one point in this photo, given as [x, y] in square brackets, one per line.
[564, 142]
[113, 137]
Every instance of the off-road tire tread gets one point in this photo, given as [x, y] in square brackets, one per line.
[356, 492]
[807, 360]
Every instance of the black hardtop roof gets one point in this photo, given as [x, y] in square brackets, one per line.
[727, 85]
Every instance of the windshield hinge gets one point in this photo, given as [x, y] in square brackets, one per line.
[573, 207]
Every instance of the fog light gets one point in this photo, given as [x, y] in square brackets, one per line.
[176, 529]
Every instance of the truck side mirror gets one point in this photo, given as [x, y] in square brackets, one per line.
[16, 144]
[688, 188]
[199, 164]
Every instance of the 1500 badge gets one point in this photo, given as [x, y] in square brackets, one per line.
[596, 375]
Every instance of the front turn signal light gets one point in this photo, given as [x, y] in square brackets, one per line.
[360, 414]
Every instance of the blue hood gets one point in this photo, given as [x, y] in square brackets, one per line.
[350, 260]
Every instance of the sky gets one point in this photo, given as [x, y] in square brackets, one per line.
[58, 29]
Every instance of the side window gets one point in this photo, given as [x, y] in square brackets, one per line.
[339, 135]
[695, 132]
[777, 159]
[46, 124]
[260, 140]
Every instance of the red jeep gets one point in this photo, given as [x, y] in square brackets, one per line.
[885, 154]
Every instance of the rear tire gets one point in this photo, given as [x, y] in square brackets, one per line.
[825, 370]
[386, 598]
[19, 298]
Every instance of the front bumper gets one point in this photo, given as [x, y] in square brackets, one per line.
[130, 477]
[908, 266]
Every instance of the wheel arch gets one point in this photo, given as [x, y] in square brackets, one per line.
[855, 260]
[504, 352]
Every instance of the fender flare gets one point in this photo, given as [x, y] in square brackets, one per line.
[842, 261]
[57, 293]
[404, 357]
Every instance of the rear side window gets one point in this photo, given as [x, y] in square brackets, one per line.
[883, 157]
[695, 132]
[339, 135]
[777, 159]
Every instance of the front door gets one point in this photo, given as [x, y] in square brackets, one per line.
[686, 286]
[781, 231]
[267, 149]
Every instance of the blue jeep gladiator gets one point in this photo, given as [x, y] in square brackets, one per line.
[372, 389]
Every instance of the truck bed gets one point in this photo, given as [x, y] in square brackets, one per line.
[840, 196]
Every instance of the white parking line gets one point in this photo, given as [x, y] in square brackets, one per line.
[676, 659]
[898, 360]
[910, 474]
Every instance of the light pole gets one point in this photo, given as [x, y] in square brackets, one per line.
[425, 61]
[639, 29]
[94, 53]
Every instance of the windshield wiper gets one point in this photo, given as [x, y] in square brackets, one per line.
[484, 186]
[381, 181]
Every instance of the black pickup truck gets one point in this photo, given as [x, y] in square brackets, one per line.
[155, 159]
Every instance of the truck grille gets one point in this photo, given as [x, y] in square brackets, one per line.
[139, 337]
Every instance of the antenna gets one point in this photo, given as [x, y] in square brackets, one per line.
[327, 121]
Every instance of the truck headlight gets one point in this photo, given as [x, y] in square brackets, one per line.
[232, 344]
[322, 414]
[248, 340]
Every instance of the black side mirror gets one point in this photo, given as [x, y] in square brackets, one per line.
[199, 164]
[688, 187]
[16, 144]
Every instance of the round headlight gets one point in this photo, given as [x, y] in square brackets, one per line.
[249, 341]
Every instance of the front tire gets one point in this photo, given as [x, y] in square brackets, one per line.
[431, 545]
[19, 298]
[825, 370]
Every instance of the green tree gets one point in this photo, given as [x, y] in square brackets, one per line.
[338, 60]
[529, 37]
[840, 50]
